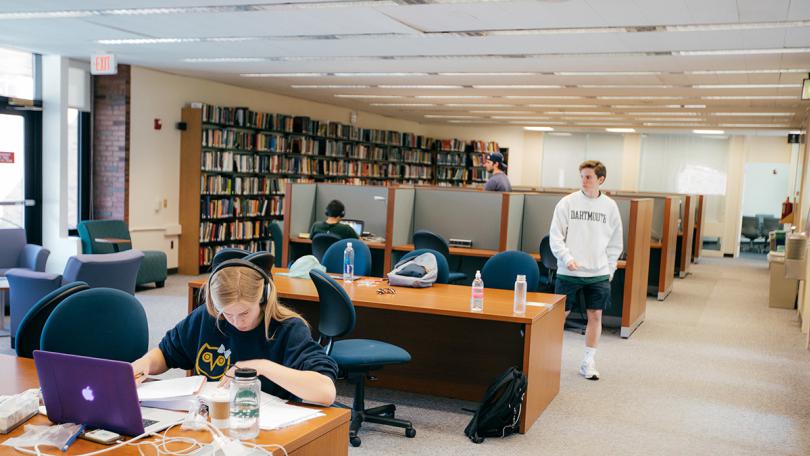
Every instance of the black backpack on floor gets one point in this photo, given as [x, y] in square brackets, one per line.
[499, 412]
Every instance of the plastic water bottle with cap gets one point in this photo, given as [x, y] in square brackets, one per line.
[348, 263]
[477, 294]
[520, 295]
[245, 400]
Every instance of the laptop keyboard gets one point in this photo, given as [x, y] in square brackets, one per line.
[147, 423]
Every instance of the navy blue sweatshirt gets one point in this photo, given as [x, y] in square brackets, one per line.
[197, 344]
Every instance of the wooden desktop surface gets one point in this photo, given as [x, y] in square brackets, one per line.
[458, 251]
[370, 244]
[324, 435]
[455, 352]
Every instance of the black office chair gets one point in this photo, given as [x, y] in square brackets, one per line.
[228, 253]
[321, 243]
[355, 357]
[424, 239]
[750, 230]
[549, 262]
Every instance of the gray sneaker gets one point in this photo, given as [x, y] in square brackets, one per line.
[588, 370]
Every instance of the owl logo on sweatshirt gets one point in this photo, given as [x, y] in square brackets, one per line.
[212, 362]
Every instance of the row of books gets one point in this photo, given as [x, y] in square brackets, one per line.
[478, 174]
[207, 252]
[244, 185]
[451, 159]
[244, 117]
[455, 145]
[484, 147]
[226, 138]
[455, 174]
[217, 208]
[236, 230]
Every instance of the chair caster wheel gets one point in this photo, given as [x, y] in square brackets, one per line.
[355, 441]
[410, 432]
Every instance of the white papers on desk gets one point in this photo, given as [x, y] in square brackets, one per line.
[274, 412]
[171, 388]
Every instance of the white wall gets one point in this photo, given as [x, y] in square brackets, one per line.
[765, 188]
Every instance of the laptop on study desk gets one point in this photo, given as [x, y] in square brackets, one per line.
[98, 393]
[357, 225]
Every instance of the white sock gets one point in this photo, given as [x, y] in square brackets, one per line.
[590, 353]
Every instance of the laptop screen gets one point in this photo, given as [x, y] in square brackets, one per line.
[357, 225]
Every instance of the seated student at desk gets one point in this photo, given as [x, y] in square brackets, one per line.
[334, 214]
[243, 325]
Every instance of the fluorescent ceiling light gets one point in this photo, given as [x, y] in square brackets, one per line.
[538, 122]
[651, 106]
[520, 117]
[607, 73]
[600, 124]
[616, 118]
[350, 75]
[776, 71]
[460, 97]
[282, 75]
[500, 112]
[442, 116]
[478, 105]
[751, 97]
[756, 125]
[352, 95]
[665, 113]
[655, 124]
[663, 119]
[736, 26]
[651, 97]
[744, 52]
[561, 134]
[470, 121]
[403, 105]
[329, 86]
[149, 41]
[753, 114]
[708, 132]
[406, 86]
[223, 59]
[543, 97]
[518, 86]
[488, 74]
[579, 113]
[575, 106]
[621, 130]
[796, 132]
[746, 86]
[539, 128]
[624, 86]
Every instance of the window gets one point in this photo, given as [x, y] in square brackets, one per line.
[78, 179]
[16, 74]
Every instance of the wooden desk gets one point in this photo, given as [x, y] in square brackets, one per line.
[455, 352]
[324, 435]
[116, 242]
[370, 244]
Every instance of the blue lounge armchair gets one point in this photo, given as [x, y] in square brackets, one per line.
[118, 329]
[15, 252]
[153, 268]
[355, 357]
[114, 270]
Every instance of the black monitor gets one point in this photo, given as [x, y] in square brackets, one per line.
[357, 225]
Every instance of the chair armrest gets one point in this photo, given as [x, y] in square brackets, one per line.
[34, 257]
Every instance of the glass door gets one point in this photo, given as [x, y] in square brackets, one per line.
[12, 171]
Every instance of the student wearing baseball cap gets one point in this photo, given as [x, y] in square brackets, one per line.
[498, 181]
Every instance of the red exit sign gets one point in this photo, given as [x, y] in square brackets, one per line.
[6, 157]
[103, 64]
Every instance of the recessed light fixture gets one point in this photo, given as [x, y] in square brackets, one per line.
[746, 86]
[517, 86]
[664, 119]
[224, 59]
[329, 86]
[751, 97]
[753, 114]
[579, 113]
[574, 106]
[775, 71]
[755, 125]
[520, 117]
[500, 112]
[534, 122]
[600, 124]
[283, 75]
[381, 97]
[624, 86]
[376, 75]
[420, 86]
[651, 97]
[459, 97]
[487, 74]
[658, 124]
[442, 116]
[470, 121]
[607, 73]
[708, 132]
[620, 130]
[538, 128]
[744, 51]
[543, 97]
[478, 105]
[149, 41]
[403, 105]
[663, 113]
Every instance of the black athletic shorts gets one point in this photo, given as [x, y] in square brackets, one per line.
[597, 295]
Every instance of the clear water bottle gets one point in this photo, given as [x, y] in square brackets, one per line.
[348, 263]
[520, 295]
[477, 294]
[245, 400]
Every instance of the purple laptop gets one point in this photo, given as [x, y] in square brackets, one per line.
[98, 393]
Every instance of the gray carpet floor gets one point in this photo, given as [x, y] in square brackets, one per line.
[712, 371]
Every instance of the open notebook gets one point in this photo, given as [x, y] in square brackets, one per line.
[185, 393]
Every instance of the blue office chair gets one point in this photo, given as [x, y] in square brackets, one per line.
[262, 259]
[424, 239]
[443, 273]
[99, 322]
[228, 253]
[502, 270]
[333, 258]
[29, 331]
[278, 241]
[355, 357]
[321, 243]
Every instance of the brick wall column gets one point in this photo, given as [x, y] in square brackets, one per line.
[110, 184]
